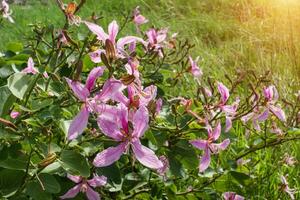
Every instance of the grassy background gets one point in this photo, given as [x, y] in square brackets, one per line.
[229, 34]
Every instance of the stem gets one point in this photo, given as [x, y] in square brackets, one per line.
[26, 173]
[31, 89]
[272, 143]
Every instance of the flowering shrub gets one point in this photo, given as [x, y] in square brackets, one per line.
[76, 115]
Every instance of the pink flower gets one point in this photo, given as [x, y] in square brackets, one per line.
[208, 146]
[138, 97]
[229, 110]
[85, 186]
[127, 133]
[271, 96]
[6, 13]
[155, 40]
[96, 104]
[62, 37]
[224, 92]
[30, 69]
[14, 114]
[232, 196]
[261, 113]
[285, 187]
[289, 160]
[194, 69]
[113, 30]
[138, 19]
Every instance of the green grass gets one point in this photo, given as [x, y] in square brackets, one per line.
[229, 34]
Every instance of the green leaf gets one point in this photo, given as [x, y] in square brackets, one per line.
[64, 126]
[75, 162]
[36, 191]
[50, 183]
[6, 71]
[14, 47]
[52, 168]
[175, 166]
[6, 100]
[294, 131]
[39, 104]
[19, 84]
[186, 155]
[87, 63]
[57, 88]
[10, 181]
[16, 163]
[241, 178]
[149, 135]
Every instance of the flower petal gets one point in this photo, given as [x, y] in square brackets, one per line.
[159, 104]
[92, 77]
[263, 116]
[146, 156]
[75, 179]
[103, 110]
[278, 112]
[200, 144]
[98, 30]
[30, 63]
[127, 40]
[223, 90]
[109, 155]
[96, 55]
[139, 19]
[91, 194]
[113, 30]
[195, 70]
[123, 117]
[148, 94]
[247, 117]
[110, 128]
[255, 124]
[217, 131]
[232, 196]
[140, 121]
[30, 69]
[78, 89]
[72, 192]
[110, 88]
[228, 124]
[215, 148]
[97, 181]
[205, 160]
[78, 124]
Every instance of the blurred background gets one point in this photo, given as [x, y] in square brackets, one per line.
[229, 35]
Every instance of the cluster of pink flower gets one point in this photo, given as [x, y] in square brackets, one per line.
[125, 122]
[127, 119]
[261, 112]
[213, 134]
[6, 12]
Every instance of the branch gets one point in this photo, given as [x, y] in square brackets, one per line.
[272, 143]
[79, 6]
